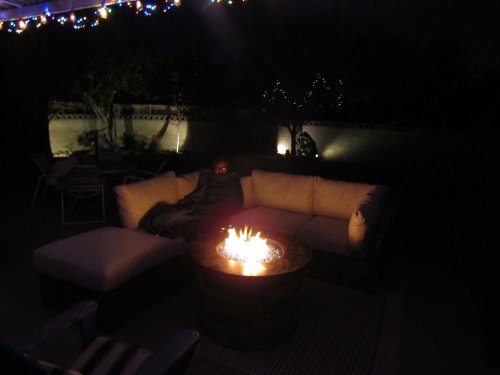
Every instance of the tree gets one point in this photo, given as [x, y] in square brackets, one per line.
[108, 74]
[293, 110]
[99, 67]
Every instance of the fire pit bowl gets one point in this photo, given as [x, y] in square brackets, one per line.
[250, 305]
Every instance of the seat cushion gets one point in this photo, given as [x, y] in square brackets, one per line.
[327, 234]
[104, 258]
[108, 356]
[134, 200]
[270, 220]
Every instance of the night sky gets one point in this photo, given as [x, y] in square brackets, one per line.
[474, 24]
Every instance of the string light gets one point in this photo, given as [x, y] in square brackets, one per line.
[101, 13]
[278, 95]
[22, 24]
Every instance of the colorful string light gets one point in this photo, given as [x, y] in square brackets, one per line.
[102, 13]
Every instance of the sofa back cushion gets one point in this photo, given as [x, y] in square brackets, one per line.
[134, 200]
[338, 199]
[247, 189]
[186, 183]
[284, 191]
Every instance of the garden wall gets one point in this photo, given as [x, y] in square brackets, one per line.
[376, 145]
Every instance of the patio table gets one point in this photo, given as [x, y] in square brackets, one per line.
[113, 171]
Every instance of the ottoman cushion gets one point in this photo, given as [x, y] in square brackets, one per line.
[104, 258]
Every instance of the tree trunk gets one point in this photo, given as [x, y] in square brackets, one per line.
[109, 128]
[294, 128]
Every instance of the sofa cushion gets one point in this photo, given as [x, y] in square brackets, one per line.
[269, 220]
[247, 189]
[186, 183]
[284, 191]
[327, 234]
[134, 200]
[365, 217]
[102, 259]
[338, 199]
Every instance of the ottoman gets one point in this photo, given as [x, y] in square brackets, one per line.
[122, 269]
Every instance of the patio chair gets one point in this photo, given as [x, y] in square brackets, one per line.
[82, 185]
[51, 173]
[45, 176]
[99, 354]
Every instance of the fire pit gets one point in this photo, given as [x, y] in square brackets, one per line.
[249, 287]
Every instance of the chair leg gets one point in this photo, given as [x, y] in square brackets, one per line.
[71, 207]
[62, 208]
[35, 195]
[103, 202]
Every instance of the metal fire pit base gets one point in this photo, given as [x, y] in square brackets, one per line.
[249, 312]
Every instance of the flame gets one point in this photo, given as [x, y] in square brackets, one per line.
[253, 268]
[249, 252]
[245, 247]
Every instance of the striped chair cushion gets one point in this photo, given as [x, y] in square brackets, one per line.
[108, 356]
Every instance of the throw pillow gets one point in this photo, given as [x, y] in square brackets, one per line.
[357, 231]
[365, 217]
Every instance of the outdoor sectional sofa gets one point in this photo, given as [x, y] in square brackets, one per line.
[125, 268]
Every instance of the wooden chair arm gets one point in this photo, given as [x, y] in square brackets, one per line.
[83, 313]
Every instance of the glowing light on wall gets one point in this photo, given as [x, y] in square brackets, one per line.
[281, 149]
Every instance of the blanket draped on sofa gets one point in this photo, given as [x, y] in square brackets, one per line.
[216, 196]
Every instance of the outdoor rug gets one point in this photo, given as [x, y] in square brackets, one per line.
[341, 331]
